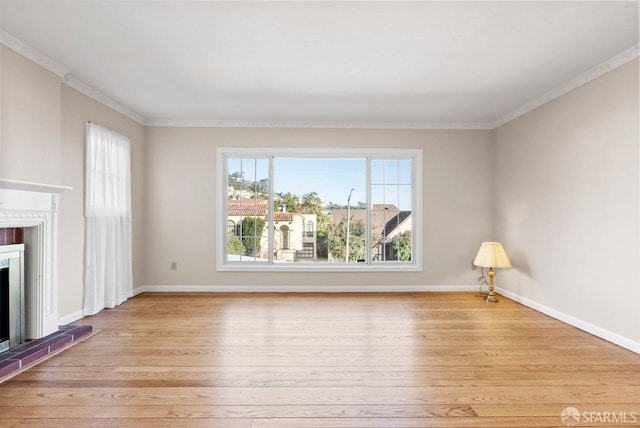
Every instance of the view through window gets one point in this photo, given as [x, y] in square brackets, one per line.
[319, 210]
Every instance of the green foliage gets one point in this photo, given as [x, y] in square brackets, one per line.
[337, 240]
[288, 200]
[402, 246]
[252, 228]
[234, 244]
[322, 248]
[261, 188]
[235, 179]
[312, 204]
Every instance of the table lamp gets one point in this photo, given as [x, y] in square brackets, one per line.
[492, 255]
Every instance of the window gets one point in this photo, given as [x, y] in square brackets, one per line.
[309, 229]
[284, 230]
[311, 209]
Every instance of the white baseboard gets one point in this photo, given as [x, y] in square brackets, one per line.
[301, 288]
[605, 334]
[72, 317]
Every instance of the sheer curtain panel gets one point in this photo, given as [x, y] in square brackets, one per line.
[107, 245]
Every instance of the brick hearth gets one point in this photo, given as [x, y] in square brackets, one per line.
[16, 358]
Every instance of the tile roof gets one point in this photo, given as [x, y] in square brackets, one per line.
[380, 216]
[255, 208]
[281, 216]
[247, 207]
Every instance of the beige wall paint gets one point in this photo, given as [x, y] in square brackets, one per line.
[1, 102]
[181, 185]
[567, 203]
[77, 109]
[30, 120]
[42, 138]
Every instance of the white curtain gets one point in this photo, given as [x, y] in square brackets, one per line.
[107, 248]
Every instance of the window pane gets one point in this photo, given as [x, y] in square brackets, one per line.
[401, 247]
[391, 216]
[379, 219]
[391, 172]
[377, 195]
[404, 172]
[310, 209]
[247, 207]
[404, 198]
[377, 171]
[391, 197]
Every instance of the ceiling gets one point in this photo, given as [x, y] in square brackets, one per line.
[378, 64]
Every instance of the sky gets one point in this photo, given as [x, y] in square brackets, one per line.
[334, 178]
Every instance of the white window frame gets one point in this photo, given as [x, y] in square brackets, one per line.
[224, 153]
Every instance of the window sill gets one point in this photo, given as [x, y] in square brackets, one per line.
[313, 267]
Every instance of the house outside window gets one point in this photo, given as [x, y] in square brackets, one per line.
[310, 209]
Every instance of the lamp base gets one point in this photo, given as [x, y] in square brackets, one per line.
[491, 298]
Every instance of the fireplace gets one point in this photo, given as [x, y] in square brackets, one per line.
[11, 296]
[33, 207]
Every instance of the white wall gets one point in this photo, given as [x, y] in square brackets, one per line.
[30, 120]
[567, 204]
[181, 185]
[1, 102]
[42, 138]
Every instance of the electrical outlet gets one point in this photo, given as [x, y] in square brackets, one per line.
[174, 265]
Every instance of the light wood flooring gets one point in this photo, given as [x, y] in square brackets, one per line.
[324, 360]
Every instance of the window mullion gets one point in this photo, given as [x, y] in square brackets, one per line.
[271, 232]
[367, 239]
[398, 236]
[384, 212]
[241, 193]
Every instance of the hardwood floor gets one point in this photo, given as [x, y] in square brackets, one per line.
[325, 360]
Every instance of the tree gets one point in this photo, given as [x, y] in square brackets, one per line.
[252, 228]
[288, 200]
[262, 187]
[337, 240]
[235, 179]
[234, 244]
[402, 246]
[311, 204]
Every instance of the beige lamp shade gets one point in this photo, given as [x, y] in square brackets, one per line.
[492, 255]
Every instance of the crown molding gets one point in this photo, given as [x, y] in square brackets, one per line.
[589, 75]
[314, 124]
[32, 54]
[67, 78]
[65, 75]
[87, 90]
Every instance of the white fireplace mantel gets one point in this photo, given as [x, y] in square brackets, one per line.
[34, 207]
